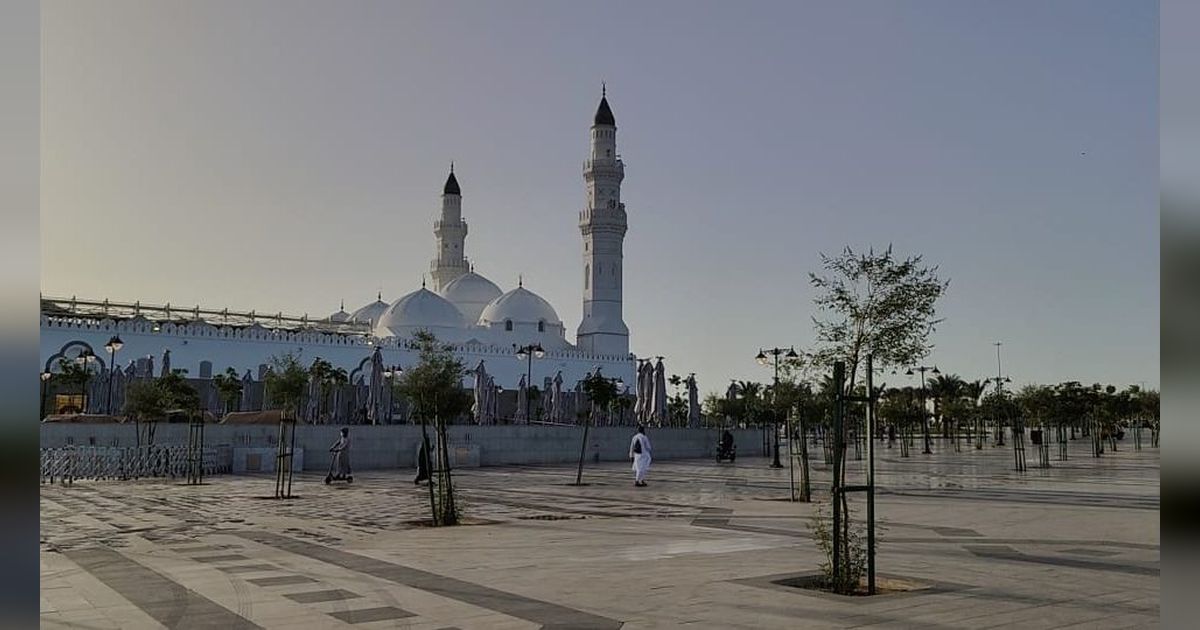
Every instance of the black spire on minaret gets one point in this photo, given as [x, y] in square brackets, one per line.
[604, 115]
[451, 187]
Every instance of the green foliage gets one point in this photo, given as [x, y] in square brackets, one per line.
[599, 389]
[434, 385]
[875, 304]
[286, 384]
[145, 400]
[229, 387]
[853, 556]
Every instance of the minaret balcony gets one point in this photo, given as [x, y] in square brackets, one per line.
[449, 225]
[605, 164]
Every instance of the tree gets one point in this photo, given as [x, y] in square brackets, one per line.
[945, 389]
[875, 304]
[286, 384]
[601, 391]
[145, 401]
[434, 389]
[74, 374]
[229, 388]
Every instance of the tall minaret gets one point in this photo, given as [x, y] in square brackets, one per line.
[603, 224]
[450, 260]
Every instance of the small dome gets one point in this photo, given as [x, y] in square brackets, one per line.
[370, 313]
[341, 316]
[521, 306]
[471, 293]
[421, 310]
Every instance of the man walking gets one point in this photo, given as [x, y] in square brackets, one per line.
[639, 452]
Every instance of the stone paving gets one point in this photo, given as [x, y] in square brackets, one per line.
[703, 546]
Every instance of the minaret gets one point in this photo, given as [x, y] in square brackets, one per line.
[450, 260]
[603, 225]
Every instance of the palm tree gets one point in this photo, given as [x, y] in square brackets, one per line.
[972, 391]
[944, 389]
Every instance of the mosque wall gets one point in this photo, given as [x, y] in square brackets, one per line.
[248, 348]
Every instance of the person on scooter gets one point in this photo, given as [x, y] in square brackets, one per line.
[341, 453]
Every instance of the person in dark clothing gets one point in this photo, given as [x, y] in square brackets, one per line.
[891, 435]
[422, 463]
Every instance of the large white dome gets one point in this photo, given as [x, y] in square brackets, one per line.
[370, 313]
[520, 306]
[421, 310]
[471, 293]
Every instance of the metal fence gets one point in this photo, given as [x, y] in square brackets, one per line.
[67, 464]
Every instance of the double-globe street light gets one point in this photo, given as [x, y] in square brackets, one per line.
[114, 344]
[45, 376]
[924, 410]
[527, 353]
[790, 353]
[999, 379]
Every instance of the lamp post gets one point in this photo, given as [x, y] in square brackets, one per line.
[45, 376]
[390, 373]
[790, 353]
[114, 344]
[924, 411]
[85, 357]
[526, 353]
[999, 380]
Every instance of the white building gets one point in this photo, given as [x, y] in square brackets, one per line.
[461, 307]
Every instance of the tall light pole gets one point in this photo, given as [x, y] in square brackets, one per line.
[85, 357]
[790, 353]
[526, 353]
[114, 344]
[1000, 380]
[924, 410]
[45, 376]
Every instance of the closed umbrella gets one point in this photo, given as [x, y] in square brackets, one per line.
[693, 402]
[522, 415]
[166, 365]
[375, 388]
[556, 401]
[312, 405]
[479, 406]
[149, 366]
[247, 401]
[493, 400]
[646, 390]
[116, 391]
[360, 399]
[660, 393]
[640, 399]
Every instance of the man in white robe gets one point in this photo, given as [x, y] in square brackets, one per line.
[639, 452]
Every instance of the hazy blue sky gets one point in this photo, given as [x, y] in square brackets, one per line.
[286, 155]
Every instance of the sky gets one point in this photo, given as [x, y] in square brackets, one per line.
[284, 156]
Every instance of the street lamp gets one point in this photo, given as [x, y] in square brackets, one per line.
[526, 353]
[114, 344]
[85, 357]
[45, 382]
[999, 380]
[790, 353]
[924, 411]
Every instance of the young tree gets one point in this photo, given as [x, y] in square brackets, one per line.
[875, 304]
[434, 389]
[286, 384]
[229, 388]
[601, 391]
[145, 401]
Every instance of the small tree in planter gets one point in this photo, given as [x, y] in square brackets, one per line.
[434, 387]
[601, 392]
[853, 558]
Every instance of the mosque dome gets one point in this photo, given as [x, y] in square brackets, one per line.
[341, 316]
[421, 310]
[370, 313]
[520, 306]
[471, 293]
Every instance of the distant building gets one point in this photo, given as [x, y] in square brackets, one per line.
[460, 306]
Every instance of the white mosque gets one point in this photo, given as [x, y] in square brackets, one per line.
[460, 306]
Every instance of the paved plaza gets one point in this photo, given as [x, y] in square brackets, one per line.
[703, 546]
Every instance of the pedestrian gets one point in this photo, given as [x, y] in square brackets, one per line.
[639, 452]
[341, 454]
[891, 435]
[422, 463]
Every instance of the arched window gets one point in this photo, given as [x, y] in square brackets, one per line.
[541, 325]
[508, 325]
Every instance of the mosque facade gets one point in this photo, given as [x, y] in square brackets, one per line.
[459, 305]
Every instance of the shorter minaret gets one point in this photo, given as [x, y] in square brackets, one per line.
[450, 260]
